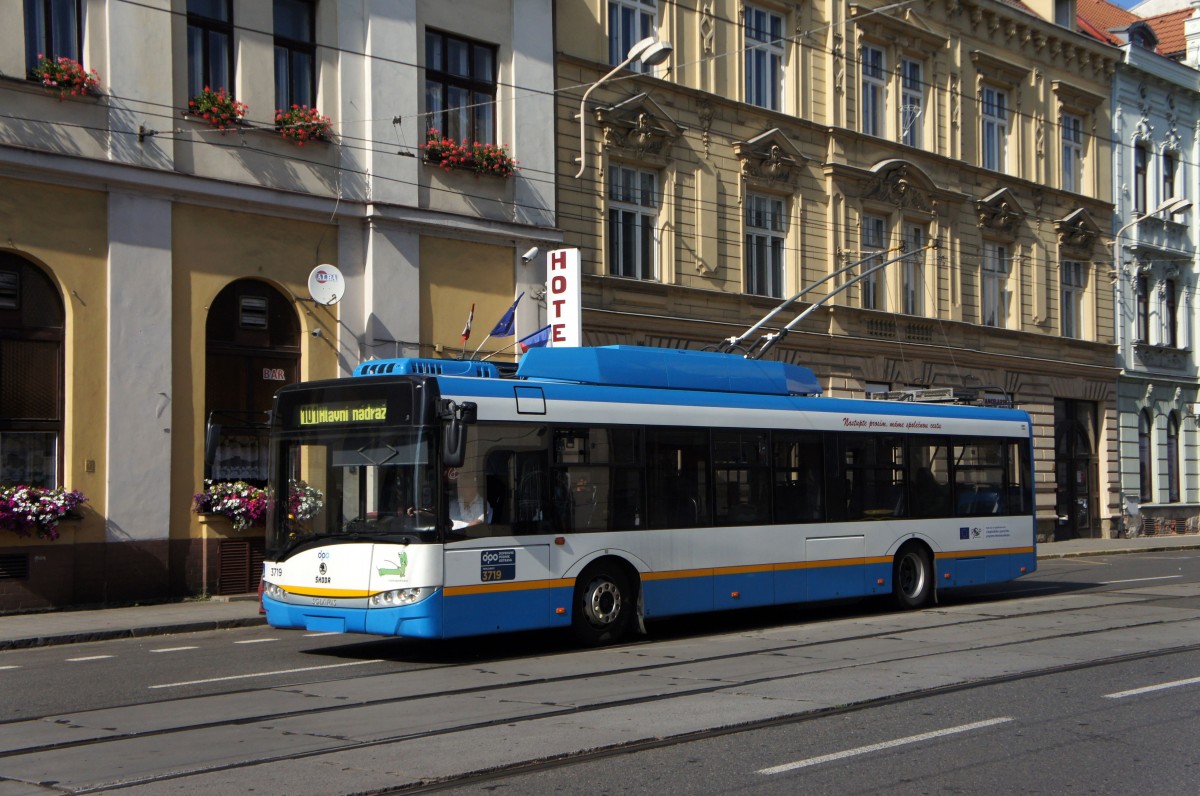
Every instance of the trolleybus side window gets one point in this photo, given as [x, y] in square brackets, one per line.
[799, 476]
[741, 477]
[597, 478]
[677, 477]
[929, 476]
[979, 475]
[873, 476]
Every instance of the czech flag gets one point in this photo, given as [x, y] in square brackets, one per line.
[505, 327]
[539, 339]
[466, 334]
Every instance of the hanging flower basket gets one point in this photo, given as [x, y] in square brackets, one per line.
[301, 123]
[67, 77]
[243, 504]
[246, 506]
[29, 510]
[217, 108]
[474, 157]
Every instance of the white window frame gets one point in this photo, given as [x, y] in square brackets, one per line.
[874, 237]
[766, 234]
[993, 138]
[912, 102]
[630, 21]
[764, 52]
[1073, 283]
[873, 62]
[916, 237]
[1072, 152]
[994, 295]
[632, 222]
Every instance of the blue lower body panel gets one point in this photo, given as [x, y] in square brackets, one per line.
[420, 620]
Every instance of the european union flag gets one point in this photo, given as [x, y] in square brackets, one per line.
[504, 328]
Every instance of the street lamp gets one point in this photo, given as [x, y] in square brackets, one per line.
[1171, 207]
[651, 52]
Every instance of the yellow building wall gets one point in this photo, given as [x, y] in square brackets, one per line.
[454, 275]
[210, 249]
[64, 230]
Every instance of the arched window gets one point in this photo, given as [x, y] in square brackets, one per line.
[1173, 458]
[31, 375]
[252, 349]
[1145, 477]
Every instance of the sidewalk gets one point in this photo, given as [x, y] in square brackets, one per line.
[69, 627]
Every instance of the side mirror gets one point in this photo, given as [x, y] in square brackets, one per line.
[454, 436]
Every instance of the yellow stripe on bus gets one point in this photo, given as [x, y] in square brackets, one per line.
[304, 591]
[1003, 551]
[509, 585]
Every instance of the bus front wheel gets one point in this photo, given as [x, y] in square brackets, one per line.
[603, 606]
[912, 577]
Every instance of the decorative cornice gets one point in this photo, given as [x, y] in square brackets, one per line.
[639, 126]
[769, 158]
[1000, 213]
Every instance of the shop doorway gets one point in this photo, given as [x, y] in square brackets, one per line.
[1076, 469]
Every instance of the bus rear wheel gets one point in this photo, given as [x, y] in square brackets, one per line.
[603, 606]
[912, 577]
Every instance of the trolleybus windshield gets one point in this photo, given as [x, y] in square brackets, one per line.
[379, 484]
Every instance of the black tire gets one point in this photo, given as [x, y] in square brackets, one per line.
[912, 578]
[603, 607]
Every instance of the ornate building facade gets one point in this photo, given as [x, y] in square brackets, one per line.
[154, 252]
[788, 147]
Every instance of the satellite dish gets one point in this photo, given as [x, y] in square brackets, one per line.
[326, 285]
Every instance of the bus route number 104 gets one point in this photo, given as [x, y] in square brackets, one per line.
[496, 565]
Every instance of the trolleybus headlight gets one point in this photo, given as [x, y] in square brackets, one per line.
[397, 597]
[273, 591]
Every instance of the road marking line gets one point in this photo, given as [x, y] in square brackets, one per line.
[174, 649]
[318, 635]
[1138, 580]
[264, 674]
[256, 641]
[1149, 688]
[89, 658]
[9, 667]
[876, 747]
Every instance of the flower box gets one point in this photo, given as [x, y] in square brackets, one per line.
[473, 157]
[66, 76]
[28, 510]
[217, 108]
[301, 124]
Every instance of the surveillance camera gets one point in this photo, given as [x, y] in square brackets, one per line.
[316, 332]
[529, 255]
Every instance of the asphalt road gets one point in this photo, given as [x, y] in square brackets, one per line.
[1008, 689]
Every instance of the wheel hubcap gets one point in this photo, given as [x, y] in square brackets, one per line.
[604, 602]
[912, 576]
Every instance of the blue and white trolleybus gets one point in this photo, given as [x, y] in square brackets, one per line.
[597, 487]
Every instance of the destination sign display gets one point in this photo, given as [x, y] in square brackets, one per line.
[343, 412]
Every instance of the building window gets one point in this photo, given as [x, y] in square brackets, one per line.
[210, 45]
[1168, 176]
[1141, 331]
[994, 295]
[914, 270]
[1173, 458]
[1145, 473]
[766, 227]
[31, 375]
[764, 58]
[912, 102]
[460, 87]
[1170, 314]
[874, 236]
[52, 28]
[295, 54]
[632, 213]
[1072, 298]
[995, 129]
[1072, 153]
[1140, 158]
[873, 87]
[629, 21]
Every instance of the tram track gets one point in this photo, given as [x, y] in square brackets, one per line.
[112, 741]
